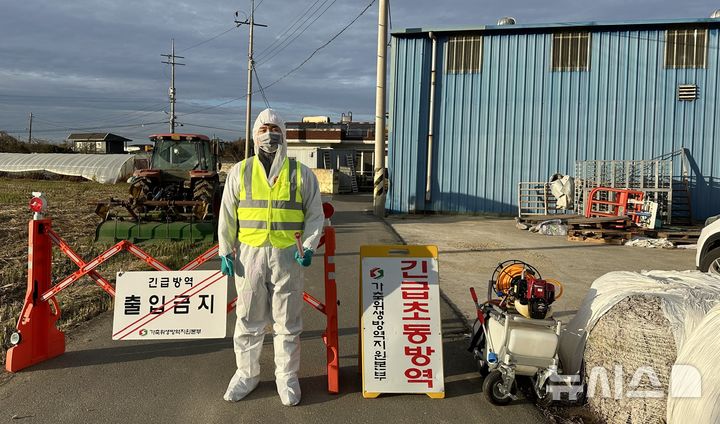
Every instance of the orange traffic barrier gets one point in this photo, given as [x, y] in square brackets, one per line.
[37, 338]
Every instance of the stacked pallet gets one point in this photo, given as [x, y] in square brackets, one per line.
[609, 230]
[613, 230]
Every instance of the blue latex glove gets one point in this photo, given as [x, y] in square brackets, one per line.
[306, 260]
[227, 265]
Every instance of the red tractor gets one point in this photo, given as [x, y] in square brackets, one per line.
[177, 198]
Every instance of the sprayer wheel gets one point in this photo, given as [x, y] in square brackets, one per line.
[492, 388]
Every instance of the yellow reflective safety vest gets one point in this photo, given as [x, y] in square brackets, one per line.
[265, 212]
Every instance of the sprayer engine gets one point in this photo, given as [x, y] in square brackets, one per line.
[534, 294]
[520, 286]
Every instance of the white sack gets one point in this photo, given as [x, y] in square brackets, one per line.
[562, 187]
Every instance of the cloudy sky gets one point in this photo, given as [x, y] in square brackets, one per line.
[95, 65]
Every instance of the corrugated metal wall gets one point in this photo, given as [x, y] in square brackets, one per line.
[408, 105]
[517, 120]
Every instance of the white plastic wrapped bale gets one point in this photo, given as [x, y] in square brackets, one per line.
[633, 335]
[700, 351]
[641, 319]
[105, 169]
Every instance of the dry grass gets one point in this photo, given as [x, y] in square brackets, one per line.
[74, 220]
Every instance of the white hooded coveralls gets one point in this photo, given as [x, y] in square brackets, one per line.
[268, 280]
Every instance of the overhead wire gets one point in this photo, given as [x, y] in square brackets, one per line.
[211, 127]
[280, 38]
[287, 74]
[262, 90]
[292, 70]
[288, 41]
[92, 99]
[88, 128]
[210, 39]
[213, 106]
[112, 118]
[389, 21]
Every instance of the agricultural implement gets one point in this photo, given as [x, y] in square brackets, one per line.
[177, 198]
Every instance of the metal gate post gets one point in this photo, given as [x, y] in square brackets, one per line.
[37, 338]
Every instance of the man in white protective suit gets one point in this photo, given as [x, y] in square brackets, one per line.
[268, 198]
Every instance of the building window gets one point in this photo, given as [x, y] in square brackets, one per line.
[571, 51]
[685, 48]
[464, 54]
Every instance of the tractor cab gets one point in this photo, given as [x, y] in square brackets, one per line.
[179, 155]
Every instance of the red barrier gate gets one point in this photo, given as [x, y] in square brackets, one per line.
[38, 339]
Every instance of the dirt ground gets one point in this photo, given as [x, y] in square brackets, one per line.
[471, 248]
[72, 210]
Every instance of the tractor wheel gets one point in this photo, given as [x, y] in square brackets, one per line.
[140, 190]
[204, 191]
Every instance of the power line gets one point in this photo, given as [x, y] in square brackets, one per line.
[389, 15]
[130, 116]
[267, 59]
[105, 127]
[262, 90]
[292, 70]
[280, 37]
[285, 43]
[214, 106]
[279, 48]
[211, 127]
[103, 99]
[321, 47]
[209, 39]
[115, 119]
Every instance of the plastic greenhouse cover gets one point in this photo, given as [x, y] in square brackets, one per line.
[105, 169]
[690, 300]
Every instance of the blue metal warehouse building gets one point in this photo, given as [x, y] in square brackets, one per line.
[518, 103]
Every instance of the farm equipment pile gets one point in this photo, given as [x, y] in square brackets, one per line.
[177, 198]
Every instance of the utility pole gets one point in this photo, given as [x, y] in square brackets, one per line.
[30, 130]
[248, 106]
[379, 179]
[171, 61]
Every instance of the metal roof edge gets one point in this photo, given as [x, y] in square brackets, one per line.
[409, 32]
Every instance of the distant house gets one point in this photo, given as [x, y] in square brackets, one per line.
[101, 143]
[346, 146]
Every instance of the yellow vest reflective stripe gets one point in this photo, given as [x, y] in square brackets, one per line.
[269, 213]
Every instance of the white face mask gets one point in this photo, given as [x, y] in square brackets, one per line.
[270, 141]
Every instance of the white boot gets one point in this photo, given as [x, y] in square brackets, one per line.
[240, 387]
[289, 391]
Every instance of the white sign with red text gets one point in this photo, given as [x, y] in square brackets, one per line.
[170, 305]
[400, 322]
